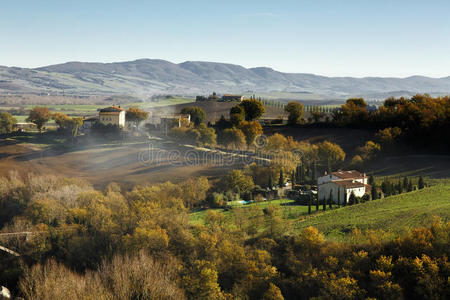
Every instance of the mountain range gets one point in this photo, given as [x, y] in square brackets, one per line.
[147, 77]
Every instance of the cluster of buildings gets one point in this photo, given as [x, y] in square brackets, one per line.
[223, 98]
[116, 116]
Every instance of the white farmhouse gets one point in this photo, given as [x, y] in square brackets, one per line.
[339, 185]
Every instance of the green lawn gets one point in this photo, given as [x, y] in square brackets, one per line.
[393, 214]
[290, 210]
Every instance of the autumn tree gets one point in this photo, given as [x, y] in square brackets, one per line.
[251, 131]
[136, 115]
[207, 134]
[253, 109]
[235, 179]
[198, 115]
[237, 115]
[233, 137]
[39, 115]
[331, 152]
[7, 122]
[61, 119]
[295, 111]
[273, 293]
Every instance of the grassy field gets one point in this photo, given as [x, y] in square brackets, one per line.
[393, 215]
[290, 210]
[387, 218]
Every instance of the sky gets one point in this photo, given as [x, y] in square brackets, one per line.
[394, 38]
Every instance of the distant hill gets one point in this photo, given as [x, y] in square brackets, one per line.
[146, 77]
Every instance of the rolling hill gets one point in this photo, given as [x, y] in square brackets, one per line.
[146, 77]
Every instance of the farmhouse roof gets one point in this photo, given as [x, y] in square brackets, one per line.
[349, 184]
[111, 109]
[348, 174]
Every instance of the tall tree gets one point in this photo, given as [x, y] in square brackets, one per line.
[253, 109]
[339, 197]
[198, 115]
[374, 192]
[309, 204]
[295, 111]
[330, 203]
[39, 115]
[237, 115]
[7, 122]
[324, 203]
[330, 151]
[281, 179]
[251, 131]
[293, 179]
[421, 183]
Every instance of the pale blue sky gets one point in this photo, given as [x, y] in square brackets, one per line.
[337, 38]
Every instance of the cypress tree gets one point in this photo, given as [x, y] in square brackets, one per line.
[352, 199]
[314, 171]
[410, 185]
[317, 203]
[339, 197]
[374, 192]
[329, 165]
[345, 198]
[270, 182]
[371, 180]
[324, 204]
[302, 174]
[293, 179]
[405, 184]
[330, 203]
[281, 180]
[421, 183]
[309, 204]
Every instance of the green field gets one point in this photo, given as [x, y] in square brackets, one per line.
[389, 217]
[394, 214]
[290, 210]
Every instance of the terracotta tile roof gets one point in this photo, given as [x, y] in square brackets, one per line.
[110, 113]
[348, 174]
[348, 184]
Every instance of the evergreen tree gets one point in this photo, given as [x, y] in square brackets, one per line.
[374, 192]
[371, 180]
[330, 203]
[410, 185]
[384, 187]
[309, 204]
[399, 187]
[302, 173]
[281, 180]
[339, 197]
[329, 165]
[324, 203]
[293, 179]
[352, 199]
[317, 203]
[421, 183]
[314, 171]
[345, 198]
[270, 182]
[405, 184]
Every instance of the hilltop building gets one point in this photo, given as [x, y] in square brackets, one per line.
[340, 185]
[113, 115]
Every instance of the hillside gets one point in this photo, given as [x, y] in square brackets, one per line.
[147, 77]
[394, 214]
